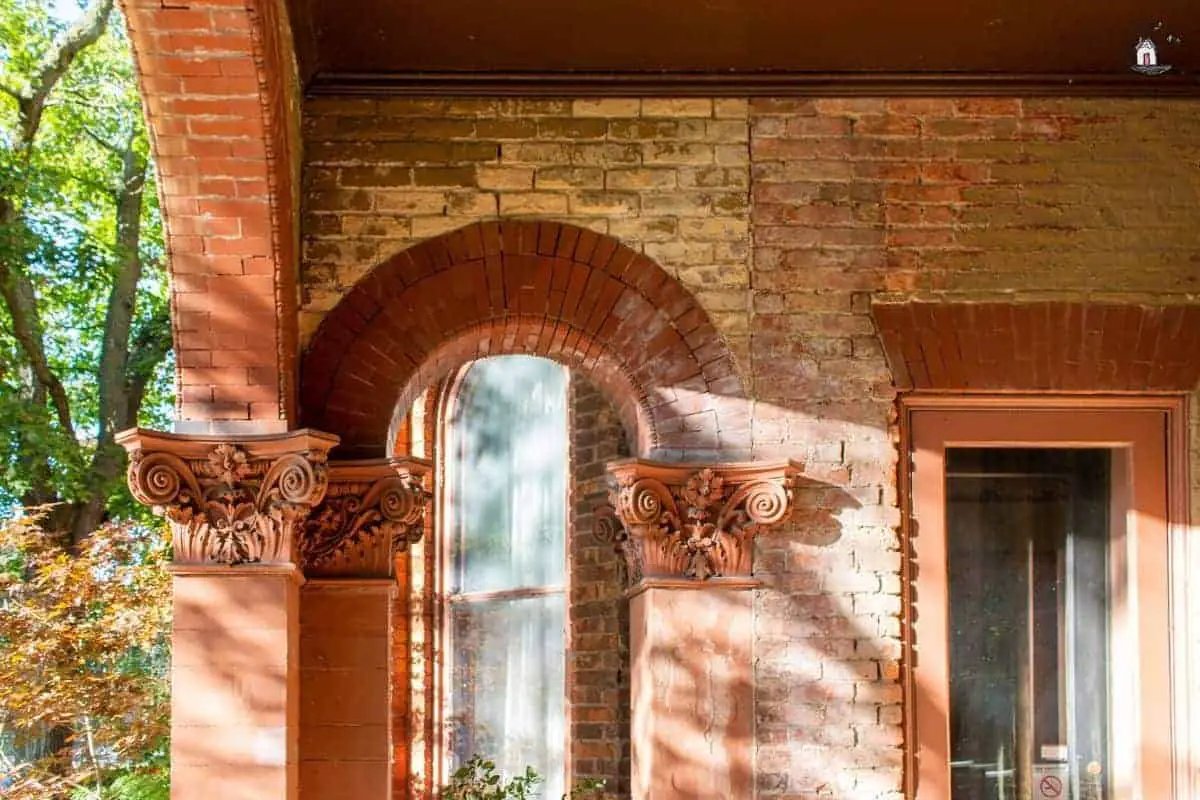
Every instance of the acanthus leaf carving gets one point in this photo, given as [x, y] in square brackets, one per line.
[608, 529]
[371, 511]
[230, 502]
[695, 522]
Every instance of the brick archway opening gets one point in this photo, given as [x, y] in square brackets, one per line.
[526, 334]
[539, 288]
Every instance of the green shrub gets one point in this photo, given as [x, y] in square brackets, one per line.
[478, 779]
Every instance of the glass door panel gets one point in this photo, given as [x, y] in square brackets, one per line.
[1028, 581]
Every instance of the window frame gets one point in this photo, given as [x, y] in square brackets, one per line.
[443, 563]
[1157, 521]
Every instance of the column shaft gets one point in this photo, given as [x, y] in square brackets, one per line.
[234, 676]
[692, 693]
[345, 660]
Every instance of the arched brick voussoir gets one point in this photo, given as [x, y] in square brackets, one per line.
[535, 336]
[218, 86]
[495, 288]
[376, 391]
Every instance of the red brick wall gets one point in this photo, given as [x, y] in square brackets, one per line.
[977, 197]
[541, 288]
[598, 667]
[344, 676]
[932, 198]
[785, 218]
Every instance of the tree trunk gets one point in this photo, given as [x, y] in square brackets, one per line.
[118, 409]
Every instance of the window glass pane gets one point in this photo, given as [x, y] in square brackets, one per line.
[508, 498]
[1028, 549]
[507, 463]
[508, 685]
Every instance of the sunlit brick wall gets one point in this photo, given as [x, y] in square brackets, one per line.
[669, 178]
[785, 218]
[219, 87]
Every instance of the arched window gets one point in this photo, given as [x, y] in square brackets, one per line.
[506, 459]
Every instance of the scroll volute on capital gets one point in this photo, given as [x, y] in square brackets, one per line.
[696, 522]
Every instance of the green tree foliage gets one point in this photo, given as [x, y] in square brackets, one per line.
[84, 353]
[84, 329]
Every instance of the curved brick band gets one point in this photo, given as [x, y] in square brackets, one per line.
[541, 288]
[219, 98]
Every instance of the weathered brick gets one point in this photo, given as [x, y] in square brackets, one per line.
[411, 202]
[504, 177]
[640, 179]
[552, 153]
[677, 107]
[730, 108]
[604, 155]
[443, 176]
[959, 197]
[569, 178]
[607, 108]
[605, 203]
[572, 129]
[533, 203]
[599, 686]
[676, 153]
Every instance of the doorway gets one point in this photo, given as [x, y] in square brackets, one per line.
[1039, 653]
[1029, 591]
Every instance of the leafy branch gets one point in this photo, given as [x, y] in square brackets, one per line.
[479, 779]
[85, 650]
[83, 330]
[31, 99]
[125, 350]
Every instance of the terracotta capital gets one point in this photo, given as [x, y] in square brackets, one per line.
[694, 522]
[371, 510]
[232, 499]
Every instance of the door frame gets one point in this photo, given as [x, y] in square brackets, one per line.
[1049, 421]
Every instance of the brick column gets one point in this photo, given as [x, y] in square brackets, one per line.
[372, 511]
[688, 540]
[235, 507]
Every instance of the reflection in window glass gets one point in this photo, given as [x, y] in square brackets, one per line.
[1028, 539]
[507, 471]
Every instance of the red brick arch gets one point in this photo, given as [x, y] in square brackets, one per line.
[541, 288]
[219, 96]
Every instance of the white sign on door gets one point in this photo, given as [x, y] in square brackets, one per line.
[1050, 782]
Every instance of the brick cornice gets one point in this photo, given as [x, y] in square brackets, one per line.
[691, 524]
[230, 500]
[371, 510]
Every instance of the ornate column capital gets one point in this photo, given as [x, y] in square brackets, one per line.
[694, 522]
[233, 499]
[372, 510]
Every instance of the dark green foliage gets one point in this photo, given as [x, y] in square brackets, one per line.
[61, 185]
[478, 779]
